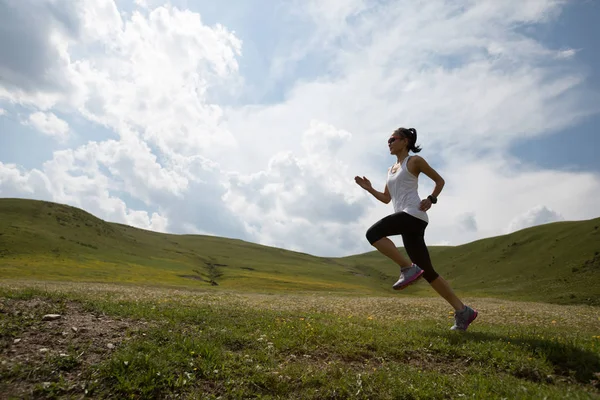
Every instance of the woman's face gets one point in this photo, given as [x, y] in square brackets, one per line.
[396, 143]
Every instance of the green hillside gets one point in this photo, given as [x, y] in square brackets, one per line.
[47, 241]
[558, 262]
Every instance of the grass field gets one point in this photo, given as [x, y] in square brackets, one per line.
[145, 315]
[162, 343]
[557, 262]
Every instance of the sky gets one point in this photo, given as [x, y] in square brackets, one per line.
[250, 120]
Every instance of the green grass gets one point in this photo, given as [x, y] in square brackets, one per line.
[209, 317]
[558, 262]
[208, 345]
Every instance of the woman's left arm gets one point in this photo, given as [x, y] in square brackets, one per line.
[424, 167]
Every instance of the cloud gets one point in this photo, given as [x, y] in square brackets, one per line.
[97, 176]
[570, 53]
[537, 215]
[155, 72]
[467, 222]
[49, 124]
[306, 196]
[133, 168]
[487, 84]
[87, 191]
[32, 35]
[141, 3]
[150, 84]
[17, 183]
[500, 189]
[157, 77]
[469, 82]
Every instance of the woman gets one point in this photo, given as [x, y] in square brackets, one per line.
[410, 220]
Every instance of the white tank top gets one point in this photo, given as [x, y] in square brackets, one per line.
[403, 187]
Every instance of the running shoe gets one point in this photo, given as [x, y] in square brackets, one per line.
[462, 319]
[408, 276]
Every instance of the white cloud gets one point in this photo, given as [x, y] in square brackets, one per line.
[156, 76]
[306, 195]
[2, 111]
[154, 72]
[155, 222]
[141, 3]
[33, 56]
[537, 215]
[463, 76]
[17, 183]
[133, 167]
[467, 222]
[500, 190]
[402, 63]
[49, 124]
[150, 83]
[570, 53]
[89, 192]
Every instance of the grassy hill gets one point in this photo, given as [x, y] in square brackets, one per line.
[558, 262]
[48, 241]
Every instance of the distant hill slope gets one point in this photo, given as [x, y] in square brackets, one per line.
[42, 240]
[557, 262]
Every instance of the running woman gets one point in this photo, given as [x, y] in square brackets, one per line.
[410, 220]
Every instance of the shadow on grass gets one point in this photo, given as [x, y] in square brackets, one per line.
[568, 360]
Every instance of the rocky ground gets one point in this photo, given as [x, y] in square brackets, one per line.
[54, 344]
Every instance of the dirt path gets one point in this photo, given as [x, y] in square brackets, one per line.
[48, 339]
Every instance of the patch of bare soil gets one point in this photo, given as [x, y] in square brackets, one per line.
[47, 349]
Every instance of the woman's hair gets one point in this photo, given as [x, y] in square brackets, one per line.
[411, 135]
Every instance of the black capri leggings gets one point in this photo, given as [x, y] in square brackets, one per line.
[412, 230]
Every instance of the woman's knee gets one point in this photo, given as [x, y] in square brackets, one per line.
[373, 234]
[387, 226]
[430, 275]
[419, 254]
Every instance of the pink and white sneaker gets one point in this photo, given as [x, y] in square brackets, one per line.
[462, 319]
[408, 276]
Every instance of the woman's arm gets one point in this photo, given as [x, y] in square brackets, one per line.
[424, 167]
[366, 184]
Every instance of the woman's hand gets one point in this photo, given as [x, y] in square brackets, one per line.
[425, 205]
[363, 183]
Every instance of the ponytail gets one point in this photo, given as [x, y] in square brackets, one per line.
[411, 135]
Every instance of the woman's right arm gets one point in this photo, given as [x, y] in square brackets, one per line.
[364, 183]
[384, 197]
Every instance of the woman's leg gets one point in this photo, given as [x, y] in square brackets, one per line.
[441, 286]
[378, 234]
[389, 249]
[414, 243]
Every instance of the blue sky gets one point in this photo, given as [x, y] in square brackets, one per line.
[575, 147]
[229, 119]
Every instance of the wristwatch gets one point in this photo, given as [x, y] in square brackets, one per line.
[432, 198]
